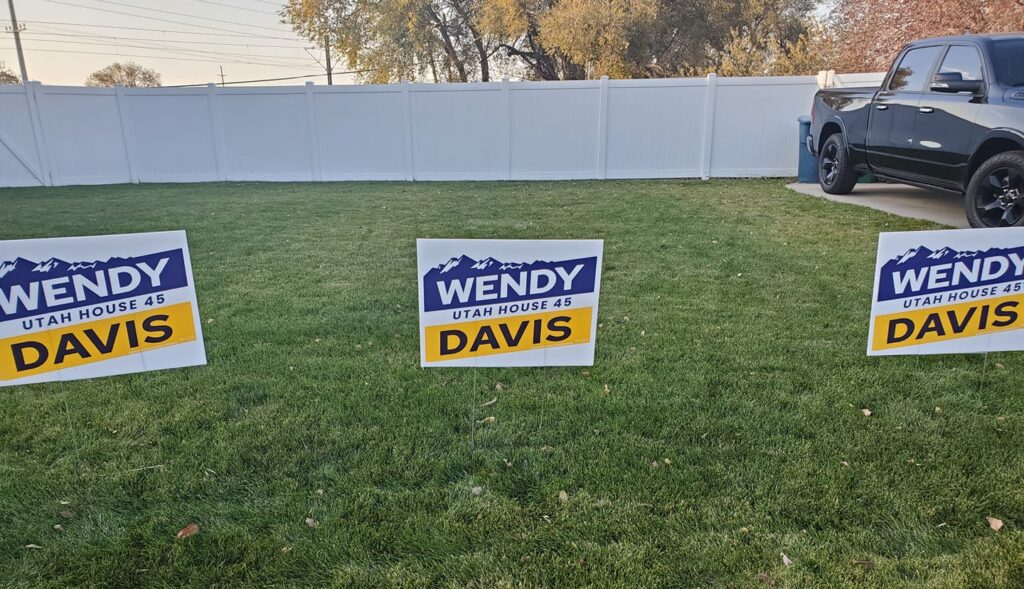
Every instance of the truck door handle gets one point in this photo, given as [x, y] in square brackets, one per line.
[926, 110]
[882, 106]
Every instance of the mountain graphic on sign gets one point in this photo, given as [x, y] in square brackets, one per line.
[920, 257]
[465, 266]
[20, 270]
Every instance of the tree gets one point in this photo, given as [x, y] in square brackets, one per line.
[463, 40]
[129, 74]
[812, 52]
[392, 40]
[7, 76]
[871, 32]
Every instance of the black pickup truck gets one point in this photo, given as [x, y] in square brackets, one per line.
[949, 115]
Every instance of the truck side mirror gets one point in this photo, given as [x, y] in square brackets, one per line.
[954, 82]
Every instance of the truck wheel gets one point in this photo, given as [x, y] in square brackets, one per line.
[835, 174]
[995, 195]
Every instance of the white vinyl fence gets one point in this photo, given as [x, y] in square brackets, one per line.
[665, 128]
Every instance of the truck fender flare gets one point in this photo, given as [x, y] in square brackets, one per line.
[1003, 134]
[842, 129]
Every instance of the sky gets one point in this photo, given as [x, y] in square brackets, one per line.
[185, 41]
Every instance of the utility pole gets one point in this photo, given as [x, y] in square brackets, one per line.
[222, 76]
[17, 43]
[327, 50]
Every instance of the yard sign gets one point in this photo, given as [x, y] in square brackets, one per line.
[944, 292]
[85, 307]
[508, 302]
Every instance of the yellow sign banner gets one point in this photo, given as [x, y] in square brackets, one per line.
[515, 333]
[95, 341]
[936, 324]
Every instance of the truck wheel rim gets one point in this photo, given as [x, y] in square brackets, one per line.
[829, 165]
[1000, 201]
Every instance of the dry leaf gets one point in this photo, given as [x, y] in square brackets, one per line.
[785, 560]
[765, 578]
[655, 464]
[319, 491]
[487, 420]
[476, 490]
[667, 461]
[586, 374]
[1000, 366]
[995, 523]
[507, 462]
[607, 390]
[189, 530]
[33, 546]
[490, 403]
[643, 333]
[845, 463]
[563, 496]
[867, 412]
[938, 409]
[744, 530]
[67, 513]
[58, 527]
[1000, 419]
[65, 502]
[499, 387]
[286, 549]
[312, 522]
[865, 563]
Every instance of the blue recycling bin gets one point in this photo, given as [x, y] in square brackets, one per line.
[808, 167]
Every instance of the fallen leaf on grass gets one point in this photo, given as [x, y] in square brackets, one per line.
[67, 513]
[490, 403]
[938, 409]
[586, 374]
[744, 530]
[476, 490]
[65, 502]
[865, 563]
[845, 463]
[33, 546]
[286, 549]
[188, 531]
[312, 522]
[785, 560]
[487, 420]
[995, 523]
[499, 387]
[1000, 366]
[58, 527]
[563, 496]
[867, 412]
[765, 578]
[607, 391]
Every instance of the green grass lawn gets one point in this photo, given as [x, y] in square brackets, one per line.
[732, 344]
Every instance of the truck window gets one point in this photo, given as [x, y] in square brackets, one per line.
[912, 73]
[964, 61]
[1008, 61]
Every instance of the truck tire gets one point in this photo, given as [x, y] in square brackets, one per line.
[995, 194]
[835, 174]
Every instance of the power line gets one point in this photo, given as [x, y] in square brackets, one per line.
[176, 22]
[85, 36]
[186, 15]
[107, 54]
[237, 7]
[238, 33]
[174, 49]
[276, 79]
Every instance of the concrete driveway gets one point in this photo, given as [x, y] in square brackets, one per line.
[899, 199]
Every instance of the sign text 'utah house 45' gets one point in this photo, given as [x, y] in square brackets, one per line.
[84, 307]
[508, 302]
[943, 292]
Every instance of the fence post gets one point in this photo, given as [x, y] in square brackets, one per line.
[602, 131]
[709, 127]
[129, 154]
[218, 132]
[32, 89]
[410, 168]
[314, 133]
[506, 98]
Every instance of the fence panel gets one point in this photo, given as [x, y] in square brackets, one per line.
[669, 128]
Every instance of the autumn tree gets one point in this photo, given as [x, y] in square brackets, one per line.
[128, 74]
[392, 40]
[463, 40]
[871, 32]
[7, 76]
